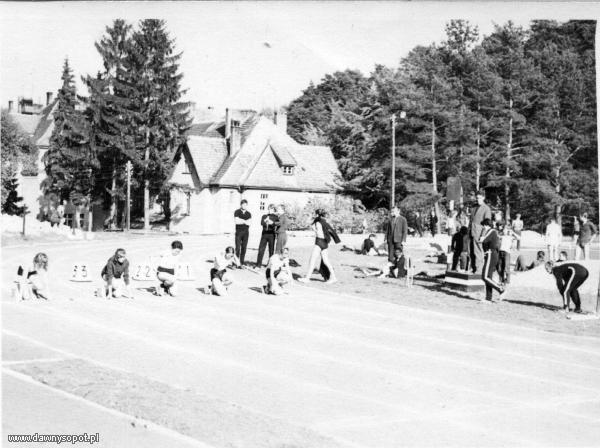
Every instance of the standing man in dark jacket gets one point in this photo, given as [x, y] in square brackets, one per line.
[242, 224]
[395, 234]
[284, 223]
[480, 212]
[269, 223]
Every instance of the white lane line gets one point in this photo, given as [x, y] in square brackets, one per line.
[36, 360]
[269, 373]
[179, 322]
[129, 372]
[152, 427]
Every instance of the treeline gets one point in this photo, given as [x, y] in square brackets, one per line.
[513, 112]
[132, 113]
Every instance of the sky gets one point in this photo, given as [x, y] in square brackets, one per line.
[243, 54]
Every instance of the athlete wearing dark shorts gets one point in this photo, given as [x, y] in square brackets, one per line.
[569, 277]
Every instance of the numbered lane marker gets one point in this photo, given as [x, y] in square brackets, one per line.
[80, 273]
[144, 272]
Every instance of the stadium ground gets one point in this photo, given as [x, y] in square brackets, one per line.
[360, 363]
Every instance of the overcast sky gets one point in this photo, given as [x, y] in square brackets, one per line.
[249, 54]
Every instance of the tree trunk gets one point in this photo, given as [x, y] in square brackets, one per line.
[113, 200]
[434, 175]
[147, 183]
[508, 161]
[557, 209]
[478, 157]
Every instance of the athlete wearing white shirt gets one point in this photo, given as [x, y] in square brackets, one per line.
[220, 277]
[167, 270]
[278, 272]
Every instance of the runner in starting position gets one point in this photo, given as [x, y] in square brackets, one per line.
[167, 270]
[569, 277]
[116, 276]
[220, 278]
[34, 284]
[278, 273]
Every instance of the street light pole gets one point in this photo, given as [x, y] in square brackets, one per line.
[393, 198]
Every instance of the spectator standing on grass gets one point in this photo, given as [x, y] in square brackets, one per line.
[61, 212]
[480, 212]
[395, 232]
[242, 225]
[451, 222]
[517, 227]
[576, 228]
[433, 220]
[506, 241]
[586, 234]
[419, 224]
[324, 233]
[553, 239]
[54, 217]
[269, 223]
[460, 249]
[284, 223]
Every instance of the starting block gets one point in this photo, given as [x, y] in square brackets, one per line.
[80, 273]
[464, 281]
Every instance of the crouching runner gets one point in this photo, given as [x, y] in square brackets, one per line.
[167, 270]
[220, 275]
[569, 277]
[34, 285]
[116, 276]
[278, 273]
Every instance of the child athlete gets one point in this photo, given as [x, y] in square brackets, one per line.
[116, 276]
[278, 273]
[35, 283]
[220, 278]
[167, 270]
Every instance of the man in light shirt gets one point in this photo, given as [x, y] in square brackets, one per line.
[553, 239]
[517, 227]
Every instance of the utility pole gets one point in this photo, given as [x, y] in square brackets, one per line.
[393, 196]
[128, 204]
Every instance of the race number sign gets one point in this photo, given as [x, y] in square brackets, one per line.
[80, 273]
[185, 272]
[144, 272]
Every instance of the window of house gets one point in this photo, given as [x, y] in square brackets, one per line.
[188, 203]
[262, 205]
[264, 196]
[288, 170]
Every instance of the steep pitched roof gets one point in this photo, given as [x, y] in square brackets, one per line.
[38, 126]
[27, 122]
[208, 155]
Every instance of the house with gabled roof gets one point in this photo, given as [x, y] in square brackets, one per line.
[245, 156]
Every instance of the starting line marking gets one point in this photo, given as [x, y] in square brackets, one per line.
[142, 422]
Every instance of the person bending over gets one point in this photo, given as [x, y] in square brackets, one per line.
[35, 283]
[278, 273]
[116, 276]
[167, 270]
[220, 275]
[569, 277]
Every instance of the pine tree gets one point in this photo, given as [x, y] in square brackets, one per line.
[109, 113]
[10, 205]
[161, 119]
[69, 160]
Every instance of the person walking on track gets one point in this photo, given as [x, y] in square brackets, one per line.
[480, 212]
[242, 224]
[269, 223]
[284, 223]
[491, 246]
[324, 233]
[569, 277]
[395, 233]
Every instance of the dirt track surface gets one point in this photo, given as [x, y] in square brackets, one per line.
[384, 366]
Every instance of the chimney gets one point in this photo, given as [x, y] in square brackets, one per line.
[235, 138]
[48, 98]
[10, 106]
[280, 120]
[227, 123]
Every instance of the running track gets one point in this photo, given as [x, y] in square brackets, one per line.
[355, 371]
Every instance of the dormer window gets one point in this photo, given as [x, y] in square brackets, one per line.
[288, 170]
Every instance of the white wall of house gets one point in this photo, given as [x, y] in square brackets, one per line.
[211, 210]
[29, 189]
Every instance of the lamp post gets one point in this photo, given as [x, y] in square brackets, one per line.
[393, 196]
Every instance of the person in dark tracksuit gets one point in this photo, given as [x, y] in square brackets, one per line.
[491, 246]
[569, 277]
[242, 223]
[269, 223]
